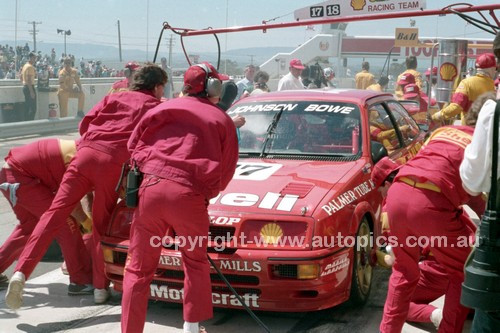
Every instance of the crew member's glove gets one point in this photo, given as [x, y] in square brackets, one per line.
[389, 257]
[86, 226]
[437, 116]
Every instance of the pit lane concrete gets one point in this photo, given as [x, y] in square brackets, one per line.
[47, 308]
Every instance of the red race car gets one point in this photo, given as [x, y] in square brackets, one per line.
[295, 228]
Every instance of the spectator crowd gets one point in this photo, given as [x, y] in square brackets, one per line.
[49, 64]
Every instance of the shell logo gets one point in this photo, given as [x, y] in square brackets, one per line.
[271, 233]
[323, 46]
[358, 4]
[448, 71]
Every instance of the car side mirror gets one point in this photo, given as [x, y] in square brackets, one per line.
[378, 151]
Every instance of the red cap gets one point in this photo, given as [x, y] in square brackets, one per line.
[411, 91]
[132, 65]
[296, 63]
[434, 71]
[195, 77]
[406, 78]
[382, 170]
[486, 60]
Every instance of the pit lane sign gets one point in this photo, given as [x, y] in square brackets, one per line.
[337, 8]
[406, 37]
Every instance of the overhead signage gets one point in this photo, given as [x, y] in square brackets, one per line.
[406, 37]
[342, 8]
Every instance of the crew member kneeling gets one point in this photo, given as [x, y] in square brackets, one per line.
[424, 210]
[187, 149]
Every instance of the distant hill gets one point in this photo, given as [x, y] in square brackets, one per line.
[110, 54]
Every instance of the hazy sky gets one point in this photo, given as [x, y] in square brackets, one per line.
[95, 21]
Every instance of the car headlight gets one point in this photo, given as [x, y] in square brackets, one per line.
[108, 255]
[307, 272]
[271, 233]
[279, 234]
[295, 271]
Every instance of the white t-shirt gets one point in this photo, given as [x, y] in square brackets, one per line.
[242, 85]
[475, 169]
[290, 82]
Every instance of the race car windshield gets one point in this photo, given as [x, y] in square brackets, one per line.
[301, 128]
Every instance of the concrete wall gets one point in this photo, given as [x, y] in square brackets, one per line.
[94, 88]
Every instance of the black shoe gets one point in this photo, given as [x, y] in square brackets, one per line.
[80, 114]
[80, 289]
[3, 279]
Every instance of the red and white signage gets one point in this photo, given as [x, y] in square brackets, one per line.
[339, 8]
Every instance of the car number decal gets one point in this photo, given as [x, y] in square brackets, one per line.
[255, 171]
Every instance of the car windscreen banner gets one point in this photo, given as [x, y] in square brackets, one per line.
[299, 127]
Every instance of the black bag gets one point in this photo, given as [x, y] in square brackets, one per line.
[134, 180]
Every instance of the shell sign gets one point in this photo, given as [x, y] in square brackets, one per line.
[323, 46]
[448, 71]
[358, 4]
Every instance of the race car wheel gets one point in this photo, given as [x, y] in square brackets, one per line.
[362, 273]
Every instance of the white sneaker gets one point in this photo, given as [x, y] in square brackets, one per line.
[436, 317]
[14, 295]
[193, 327]
[202, 330]
[101, 295]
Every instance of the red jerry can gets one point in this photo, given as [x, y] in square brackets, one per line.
[52, 110]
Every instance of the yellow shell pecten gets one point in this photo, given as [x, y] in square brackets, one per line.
[448, 71]
[358, 4]
[271, 233]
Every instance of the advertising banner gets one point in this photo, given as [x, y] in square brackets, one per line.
[339, 8]
[406, 37]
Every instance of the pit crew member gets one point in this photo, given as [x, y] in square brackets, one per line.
[470, 89]
[187, 149]
[428, 189]
[128, 72]
[29, 179]
[96, 166]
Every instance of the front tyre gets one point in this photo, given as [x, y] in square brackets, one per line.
[362, 274]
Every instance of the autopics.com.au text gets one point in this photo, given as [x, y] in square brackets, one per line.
[221, 242]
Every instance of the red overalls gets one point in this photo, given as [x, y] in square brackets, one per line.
[433, 281]
[38, 168]
[96, 167]
[424, 204]
[188, 150]
[432, 284]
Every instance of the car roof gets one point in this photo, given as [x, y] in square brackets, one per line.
[355, 96]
